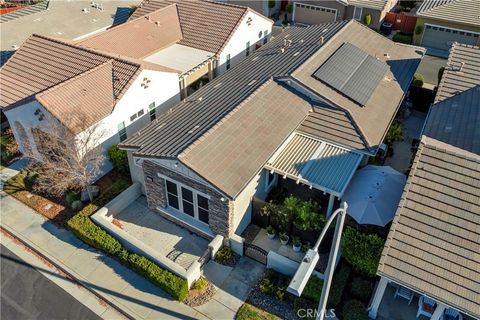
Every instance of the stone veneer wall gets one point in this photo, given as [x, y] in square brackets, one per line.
[220, 212]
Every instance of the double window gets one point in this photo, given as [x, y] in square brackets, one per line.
[122, 131]
[152, 111]
[247, 48]
[137, 115]
[187, 201]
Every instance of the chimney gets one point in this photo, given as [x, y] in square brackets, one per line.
[322, 39]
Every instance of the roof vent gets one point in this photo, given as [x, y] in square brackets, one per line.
[296, 53]
[255, 58]
[217, 85]
[386, 55]
[282, 50]
[148, 18]
[322, 39]
[15, 47]
[194, 129]
[252, 82]
[200, 99]
[158, 24]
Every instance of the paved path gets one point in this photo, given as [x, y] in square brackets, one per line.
[114, 282]
[27, 294]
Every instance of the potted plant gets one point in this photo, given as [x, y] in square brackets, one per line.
[270, 232]
[296, 244]
[306, 246]
[284, 238]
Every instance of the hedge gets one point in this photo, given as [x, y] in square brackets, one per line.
[119, 159]
[83, 227]
[339, 283]
[354, 310]
[362, 251]
[313, 289]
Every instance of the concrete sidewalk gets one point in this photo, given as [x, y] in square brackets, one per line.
[119, 285]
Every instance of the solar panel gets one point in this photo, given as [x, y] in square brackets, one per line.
[352, 72]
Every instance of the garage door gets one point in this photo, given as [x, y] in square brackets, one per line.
[308, 14]
[442, 38]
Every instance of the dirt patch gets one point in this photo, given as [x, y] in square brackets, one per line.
[106, 181]
[197, 297]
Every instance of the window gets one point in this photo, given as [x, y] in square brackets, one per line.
[271, 179]
[357, 13]
[461, 33]
[133, 117]
[136, 115]
[122, 131]
[140, 113]
[187, 201]
[265, 36]
[429, 27]
[247, 49]
[227, 65]
[152, 111]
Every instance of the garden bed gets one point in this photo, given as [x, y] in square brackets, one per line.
[201, 292]
[227, 257]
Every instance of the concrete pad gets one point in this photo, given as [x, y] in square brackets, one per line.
[216, 310]
[84, 261]
[216, 273]
[232, 294]
[112, 314]
[247, 271]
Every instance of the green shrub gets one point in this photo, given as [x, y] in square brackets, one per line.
[354, 310]
[418, 30]
[200, 284]
[71, 196]
[170, 283]
[403, 38]
[361, 289]
[339, 283]
[313, 289]
[274, 284]
[362, 251]
[417, 80]
[119, 159]
[90, 233]
[224, 255]
[367, 20]
[290, 8]
[123, 255]
[76, 205]
[394, 133]
[306, 218]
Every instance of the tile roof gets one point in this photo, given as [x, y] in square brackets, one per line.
[42, 62]
[457, 78]
[460, 11]
[374, 4]
[433, 244]
[206, 25]
[235, 149]
[456, 120]
[83, 100]
[139, 37]
[375, 117]
[190, 119]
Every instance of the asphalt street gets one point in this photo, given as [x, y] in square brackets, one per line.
[27, 294]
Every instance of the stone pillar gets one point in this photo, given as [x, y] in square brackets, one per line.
[377, 298]
[439, 310]
[331, 201]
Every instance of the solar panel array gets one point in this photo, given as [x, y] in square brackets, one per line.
[352, 72]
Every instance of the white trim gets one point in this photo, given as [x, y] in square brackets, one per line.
[309, 6]
[194, 192]
[440, 26]
[274, 181]
[361, 13]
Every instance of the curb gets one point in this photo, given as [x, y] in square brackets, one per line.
[67, 274]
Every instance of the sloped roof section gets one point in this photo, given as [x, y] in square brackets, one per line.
[83, 100]
[206, 25]
[456, 120]
[42, 63]
[139, 37]
[462, 71]
[373, 4]
[433, 244]
[460, 11]
[231, 153]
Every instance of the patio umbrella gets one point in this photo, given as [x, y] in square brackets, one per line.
[373, 194]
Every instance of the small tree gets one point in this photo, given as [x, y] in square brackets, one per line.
[418, 30]
[367, 20]
[70, 161]
[394, 133]
[417, 80]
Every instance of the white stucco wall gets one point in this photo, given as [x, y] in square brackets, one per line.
[242, 205]
[237, 44]
[162, 89]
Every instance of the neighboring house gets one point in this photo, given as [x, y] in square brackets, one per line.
[320, 11]
[443, 22]
[309, 106]
[433, 245]
[48, 78]
[227, 32]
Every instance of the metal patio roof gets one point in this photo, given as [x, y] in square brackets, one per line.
[319, 164]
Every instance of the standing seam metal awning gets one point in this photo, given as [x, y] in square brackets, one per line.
[319, 164]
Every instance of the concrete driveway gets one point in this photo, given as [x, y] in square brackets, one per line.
[429, 69]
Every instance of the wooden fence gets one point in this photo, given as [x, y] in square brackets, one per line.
[401, 22]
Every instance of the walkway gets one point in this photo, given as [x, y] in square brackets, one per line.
[115, 283]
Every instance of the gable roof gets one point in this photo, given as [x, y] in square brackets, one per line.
[83, 100]
[373, 4]
[456, 120]
[433, 243]
[206, 25]
[460, 11]
[461, 72]
[139, 37]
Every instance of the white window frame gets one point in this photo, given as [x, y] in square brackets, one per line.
[227, 63]
[195, 193]
[247, 48]
[122, 132]
[270, 185]
[355, 10]
[152, 110]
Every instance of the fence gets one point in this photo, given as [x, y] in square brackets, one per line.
[206, 256]
[255, 252]
[401, 22]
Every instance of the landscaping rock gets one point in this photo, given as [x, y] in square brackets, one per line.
[283, 309]
[196, 298]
